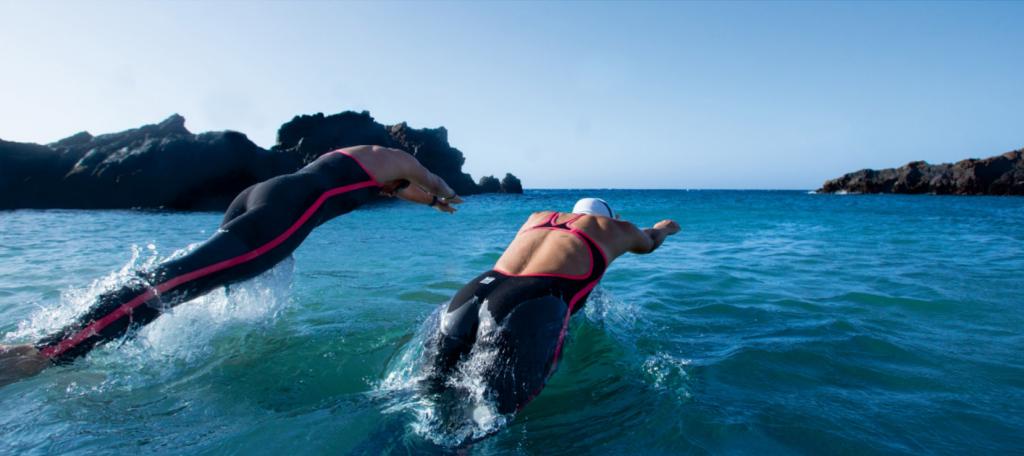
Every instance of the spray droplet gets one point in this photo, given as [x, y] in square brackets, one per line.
[482, 415]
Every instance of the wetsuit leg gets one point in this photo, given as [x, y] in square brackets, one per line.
[251, 245]
[520, 320]
[238, 206]
[458, 327]
[526, 342]
[261, 227]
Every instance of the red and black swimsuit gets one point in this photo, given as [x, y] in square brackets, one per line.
[264, 225]
[572, 289]
[523, 316]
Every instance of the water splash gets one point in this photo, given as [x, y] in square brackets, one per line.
[186, 332]
[462, 410]
[668, 373]
[181, 338]
[621, 320]
[605, 310]
[75, 301]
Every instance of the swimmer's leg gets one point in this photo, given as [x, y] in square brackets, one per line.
[225, 258]
[527, 342]
[457, 330]
[238, 206]
[105, 320]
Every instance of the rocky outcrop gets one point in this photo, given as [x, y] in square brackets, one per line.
[489, 184]
[507, 184]
[308, 137]
[998, 175]
[511, 184]
[166, 166]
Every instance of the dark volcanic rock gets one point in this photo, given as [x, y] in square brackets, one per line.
[511, 184]
[165, 165]
[161, 165]
[998, 175]
[310, 136]
[489, 184]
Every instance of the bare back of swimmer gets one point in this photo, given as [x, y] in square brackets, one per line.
[521, 308]
[263, 225]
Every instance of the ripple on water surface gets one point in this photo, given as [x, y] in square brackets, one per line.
[776, 322]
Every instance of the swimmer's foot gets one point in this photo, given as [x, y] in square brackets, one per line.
[20, 361]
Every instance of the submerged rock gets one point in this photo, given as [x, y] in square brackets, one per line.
[998, 175]
[166, 166]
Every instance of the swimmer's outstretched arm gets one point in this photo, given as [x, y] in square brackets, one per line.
[425, 187]
[412, 170]
[648, 240]
[390, 165]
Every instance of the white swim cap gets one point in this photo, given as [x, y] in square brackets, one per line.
[593, 206]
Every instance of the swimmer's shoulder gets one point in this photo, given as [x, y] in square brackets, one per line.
[606, 224]
[614, 235]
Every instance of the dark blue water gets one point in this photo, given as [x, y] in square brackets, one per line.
[775, 323]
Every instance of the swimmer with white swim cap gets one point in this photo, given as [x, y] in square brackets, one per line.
[593, 206]
[521, 307]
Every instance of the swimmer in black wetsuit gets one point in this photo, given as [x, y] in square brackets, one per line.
[263, 225]
[520, 309]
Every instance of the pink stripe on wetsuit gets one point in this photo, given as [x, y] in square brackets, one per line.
[529, 317]
[70, 339]
[588, 280]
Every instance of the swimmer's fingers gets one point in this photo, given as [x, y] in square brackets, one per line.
[670, 226]
[455, 199]
[445, 207]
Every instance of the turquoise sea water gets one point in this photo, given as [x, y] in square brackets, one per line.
[775, 323]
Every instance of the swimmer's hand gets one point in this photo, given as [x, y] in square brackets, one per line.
[446, 204]
[20, 361]
[649, 239]
[418, 194]
[669, 226]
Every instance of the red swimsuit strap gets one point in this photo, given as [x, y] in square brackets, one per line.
[573, 219]
[549, 224]
[564, 226]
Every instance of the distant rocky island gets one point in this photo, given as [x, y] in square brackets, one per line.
[998, 175]
[166, 166]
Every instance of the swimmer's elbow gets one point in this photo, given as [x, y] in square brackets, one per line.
[643, 244]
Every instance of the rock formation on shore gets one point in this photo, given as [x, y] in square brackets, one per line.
[998, 175]
[166, 166]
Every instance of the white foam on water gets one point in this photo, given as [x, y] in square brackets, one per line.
[75, 301]
[603, 309]
[621, 320]
[467, 411]
[464, 412]
[180, 338]
[668, 373]
[187, 330]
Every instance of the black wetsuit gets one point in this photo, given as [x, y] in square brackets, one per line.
[262, 226]
[523, 317]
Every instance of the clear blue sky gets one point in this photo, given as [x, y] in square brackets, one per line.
[636, 95]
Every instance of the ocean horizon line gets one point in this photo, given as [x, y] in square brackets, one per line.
[671, 188]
